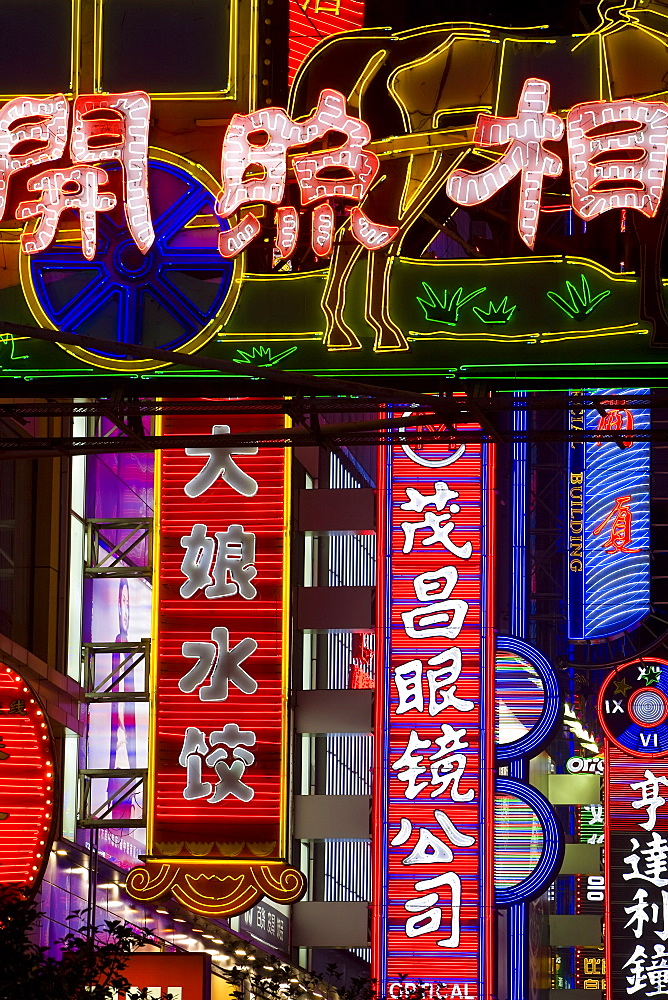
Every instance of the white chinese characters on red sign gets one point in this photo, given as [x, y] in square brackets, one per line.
[432, 886]
[219, 721]
[230, 573]
[637, 861]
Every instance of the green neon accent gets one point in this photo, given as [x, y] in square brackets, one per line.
[262, 356]
[9, 338]
[581, 303]
[503, 313]
[437, 311]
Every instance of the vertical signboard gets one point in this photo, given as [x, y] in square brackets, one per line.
[217, 825]
[633, 708]
[608, 517]
[435, 708]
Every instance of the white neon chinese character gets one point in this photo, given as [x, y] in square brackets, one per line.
[410, 765]
[233, 569]
[123, 120]
[656, 863]
[39, 125]
[641, 912]
[440, 533]
[448, 766]
[222, 663]
[425, 922]
[229, 776]
[430, 849]
[408, 680]
[599, 161]
[525, 155]
[221, 465]
[62, 189]
[439, 498]
[443, 618]
[643, 974]
[650, 798]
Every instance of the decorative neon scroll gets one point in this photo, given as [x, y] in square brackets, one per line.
[435, 698]
[254, 168]
[610, 167]
[218, 809]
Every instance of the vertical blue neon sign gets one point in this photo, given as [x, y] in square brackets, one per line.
[608, 517]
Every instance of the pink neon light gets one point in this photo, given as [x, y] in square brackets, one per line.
[368, 233]
[64, 188]
[30, 119]
[125, 126]
[525, 156]
[602, 177]
[322, 237]
[287, 231]
[238, 237]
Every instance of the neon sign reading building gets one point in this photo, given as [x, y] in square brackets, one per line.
[217, 836]
[432, 860]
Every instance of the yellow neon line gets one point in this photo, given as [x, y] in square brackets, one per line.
[527, 338]
[229, 93]
[364, 79]
[626, 276]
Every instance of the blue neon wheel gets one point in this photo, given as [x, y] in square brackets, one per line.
[174, 297]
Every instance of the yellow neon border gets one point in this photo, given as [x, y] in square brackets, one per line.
[136, 364]
[230, 93]
[155, 620]
[75, 35]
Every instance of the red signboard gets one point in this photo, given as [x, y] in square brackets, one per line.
[26, 783]
[433, 796]
[180, 976]
[313, 20]
[217, 825]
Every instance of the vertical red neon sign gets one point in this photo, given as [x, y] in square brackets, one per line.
[434, 783]
[217, 833]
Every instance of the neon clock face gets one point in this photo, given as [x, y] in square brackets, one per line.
[633, 707]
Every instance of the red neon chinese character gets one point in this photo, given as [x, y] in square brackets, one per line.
[615, 420]
[122, 120]
[621, 524]
[63, 188]
[41, 121]
[525, 155]
[617, 153]
[254, 169]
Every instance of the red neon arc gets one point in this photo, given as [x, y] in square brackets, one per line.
[26, 783]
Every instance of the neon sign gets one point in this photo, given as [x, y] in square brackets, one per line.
[618, 152]
[218, 820]
[27, 783]
[633, 708]
[433, 882]
[110, 127]
[608, 519]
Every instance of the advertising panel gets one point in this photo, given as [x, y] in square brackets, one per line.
[608, 517]
[218, 760]
[432, 861]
